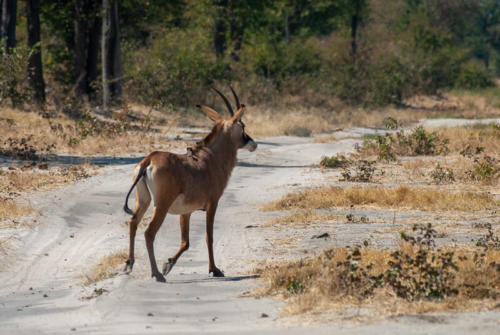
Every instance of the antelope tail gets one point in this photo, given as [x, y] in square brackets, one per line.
[142, 172]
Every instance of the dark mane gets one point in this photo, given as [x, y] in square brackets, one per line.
[205, 141]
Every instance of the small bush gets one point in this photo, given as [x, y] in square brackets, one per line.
[417, 142]
[440, 174]
[485, 169]
[423, 272]
[363, 172]
[472, 76]
[391, 123]
[489, 240]
[298, 131]
[334, 161]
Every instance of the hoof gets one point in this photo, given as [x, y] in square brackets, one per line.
[159, 278]
[167, 266]
[216, 272]
[129, 264]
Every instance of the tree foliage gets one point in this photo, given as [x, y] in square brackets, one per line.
[369, 52]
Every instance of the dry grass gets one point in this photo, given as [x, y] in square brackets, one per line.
[293, 111]
[302, 219]
[15, 182]
[264, 121]
[321, 283]
[402, 197]
[106, 268]
[33, 179]
[10, 209]
[459, 104]
[467, 139]
[61, 134]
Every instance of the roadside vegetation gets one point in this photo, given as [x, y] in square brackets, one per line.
[402, 197]
[415, 277]
[445, 257]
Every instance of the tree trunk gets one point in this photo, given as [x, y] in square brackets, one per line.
[235, 30]
[8, 27]
[86, 38]
[1, 10]
[93, 53]
[220, 28]
[111, 55]
[354, 28]
[355, 22]
[80, 25]
[35, 72]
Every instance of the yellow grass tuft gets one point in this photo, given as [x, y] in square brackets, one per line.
[10, 209]
[106, 268]
[467, 140]
[302, 219]
[402, 197]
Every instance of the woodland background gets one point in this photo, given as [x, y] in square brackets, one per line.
[167, 54]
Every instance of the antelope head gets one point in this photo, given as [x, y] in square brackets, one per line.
[234, 126]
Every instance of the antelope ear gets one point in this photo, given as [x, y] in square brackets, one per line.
[212, 114]
[238, 115]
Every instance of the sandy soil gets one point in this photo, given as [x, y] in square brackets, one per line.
[42, 291]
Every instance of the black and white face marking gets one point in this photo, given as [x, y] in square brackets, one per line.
[249, 143]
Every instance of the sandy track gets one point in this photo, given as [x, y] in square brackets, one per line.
[41, 291]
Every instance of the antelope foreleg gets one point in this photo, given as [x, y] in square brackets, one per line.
[184, 223]
[210, 240]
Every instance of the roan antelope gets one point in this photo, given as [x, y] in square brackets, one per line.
[182, 184]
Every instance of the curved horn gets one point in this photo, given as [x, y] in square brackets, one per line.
[228, 104]
[235, 98]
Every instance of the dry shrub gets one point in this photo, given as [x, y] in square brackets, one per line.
[418, 142]
[414, 274]
[106, 268]
[402, 197]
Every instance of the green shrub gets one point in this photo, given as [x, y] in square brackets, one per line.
[334, 161]
[278, 60]
[472, 76]
[173, 72]
[14, 76]
[418, 142]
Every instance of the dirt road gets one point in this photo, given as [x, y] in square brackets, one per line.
[41, 288]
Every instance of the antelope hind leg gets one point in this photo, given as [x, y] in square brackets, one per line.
[184, 223]
[142, 201]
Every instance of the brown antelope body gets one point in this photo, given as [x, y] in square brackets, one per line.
[182, 184]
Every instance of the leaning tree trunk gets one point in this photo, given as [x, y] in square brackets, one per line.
[111, 54]
[8, 26]
[35, 72]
